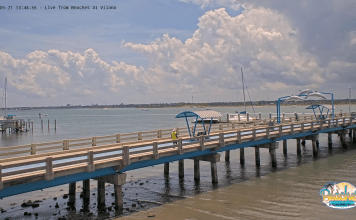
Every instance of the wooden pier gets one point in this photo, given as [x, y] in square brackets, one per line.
[106, 158]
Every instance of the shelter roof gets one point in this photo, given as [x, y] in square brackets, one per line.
[200, 114]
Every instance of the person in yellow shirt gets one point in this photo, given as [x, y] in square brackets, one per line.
[174, 136]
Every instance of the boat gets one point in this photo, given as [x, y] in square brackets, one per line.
[240, 115]
[144, 109]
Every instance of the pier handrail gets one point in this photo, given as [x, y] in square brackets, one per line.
[46, 166]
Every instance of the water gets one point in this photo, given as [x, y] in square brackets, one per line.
[289, 191]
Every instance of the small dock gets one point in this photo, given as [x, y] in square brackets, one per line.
[107, 158]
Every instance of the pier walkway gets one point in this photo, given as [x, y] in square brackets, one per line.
[37, 166]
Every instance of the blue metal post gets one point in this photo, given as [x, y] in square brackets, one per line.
[202, 121]
[211, 121]
[188, 126]
[195, 125]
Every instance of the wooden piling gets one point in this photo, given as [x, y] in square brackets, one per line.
[214, 172]
[86, 190]
[315, 148]
[41, 124]
[343, 140]
[257, 156]
[32, 126]
[72, 192]
[119, 204]
[55, 124]
[166, 169]
[242, 156]
[299, 151]
[227, 155]
[273, 156]
[330, 140]
[101, 194]
[181, 169]
[303, 141]
[48, 124]
[196, 170]
[284, 147]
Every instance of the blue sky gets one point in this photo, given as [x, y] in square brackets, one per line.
[165, 51]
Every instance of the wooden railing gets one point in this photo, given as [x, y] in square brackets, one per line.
[46, 166]
[37, 148]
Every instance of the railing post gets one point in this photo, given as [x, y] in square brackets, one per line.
[201, 142]
[90, 166]
[94, 141]
[259, 116]
[247, 116]
[238, 117]
[292, 128]
[337, 122]
[233, 125]
[238, 137]
[65, 144]
[126, 155]
[1, 183]
[280, 130]
[159, 133]
[177, 131]
[118, 137]
[33, 149]
[221, 127]
[270, 115]
[221, 140]
[180, 146]
[311, 125]
[49, 175]
[329, 124]
[343, 122]
[155, 151]
[267, 132]
[254, 134]
[350, 121]
[321, 124]
[139, 135]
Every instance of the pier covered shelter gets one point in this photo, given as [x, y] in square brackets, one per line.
[202, 115]
[322, 108]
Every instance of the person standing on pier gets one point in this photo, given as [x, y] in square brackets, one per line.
[174, 136]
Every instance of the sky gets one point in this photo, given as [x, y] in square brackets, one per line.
[166, 51]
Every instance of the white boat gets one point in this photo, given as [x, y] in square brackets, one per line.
[144, 109]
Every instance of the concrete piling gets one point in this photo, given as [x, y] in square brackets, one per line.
[86, 191]
[273, 156]
[72, 189]
[196, 170]
[303, 141]
[181, 169]
[257, 156]
[330, 140]
[354, 135]
[119, 204]
[343, 140]
[315, 148]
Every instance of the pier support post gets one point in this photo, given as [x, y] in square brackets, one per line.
[119, 205]
[196, 170]
[315, 149]
[284, 147]
[354, 135]
[303, 141]
[181, 169]
[166, 169]
[101, 194]
[299, 150]
[273, 155]
[257, 156]
[330, 140]
[214, 172]
[242, 155]
[227, 155]
[72, 189]
[86, 191]
[350, 133]
[343, 140]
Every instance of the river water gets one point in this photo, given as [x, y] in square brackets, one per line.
[290, 191]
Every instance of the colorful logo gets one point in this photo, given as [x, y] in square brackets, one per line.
[339, 195]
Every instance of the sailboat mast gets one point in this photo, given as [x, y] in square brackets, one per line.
[5, 91]
[243, 88]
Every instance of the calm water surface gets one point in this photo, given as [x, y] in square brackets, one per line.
[290, 191]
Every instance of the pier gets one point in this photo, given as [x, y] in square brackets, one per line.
[107, 158]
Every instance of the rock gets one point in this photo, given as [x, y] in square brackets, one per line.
[65, 196]
[27, 204]
[113, 194]
[109, 209]
[90, 214]
[133, 205]
[93, 194]
[36, 214]
[136, 193]
[29, 214]
[127, 209]
[37, 201]
[61, 190]
[78, 186]
[3, 210]
[141, 183]
[35, 205]
[124, 202]
[113, 203]
[146, 181]
[26, 213]
[55, 198]
[106, 193]
[151, 215]
[12, 204]
[57, 206]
